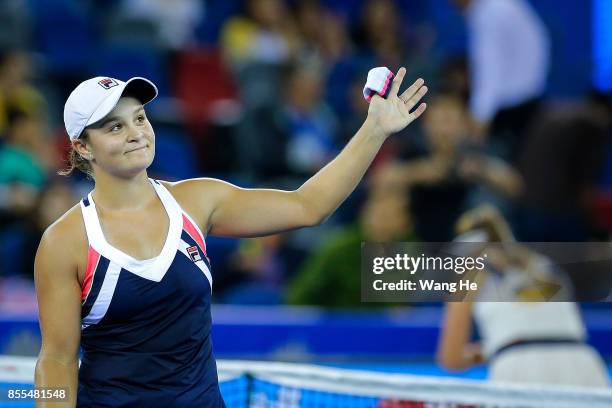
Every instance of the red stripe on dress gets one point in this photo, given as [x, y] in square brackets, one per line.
[92, 262]
[193, 232]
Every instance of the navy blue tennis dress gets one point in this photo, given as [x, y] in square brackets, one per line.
[145, 325]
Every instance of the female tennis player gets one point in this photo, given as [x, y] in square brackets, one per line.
[524, 339]
[124, 275]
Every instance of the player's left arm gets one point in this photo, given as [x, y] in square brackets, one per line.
[240, 212]
[455, 352]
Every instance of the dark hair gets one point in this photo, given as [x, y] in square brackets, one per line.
[15, 115]
[76, 161]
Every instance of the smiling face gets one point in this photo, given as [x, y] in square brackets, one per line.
[121, 144]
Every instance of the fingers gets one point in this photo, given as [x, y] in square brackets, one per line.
[411, 103]
[418, 111]
[413, 89]
[397, 81]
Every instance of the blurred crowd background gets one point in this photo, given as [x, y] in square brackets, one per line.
[263, 93]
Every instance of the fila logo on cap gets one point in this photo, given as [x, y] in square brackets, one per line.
[107, 83]
[194, 253]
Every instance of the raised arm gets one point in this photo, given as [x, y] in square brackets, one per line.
[233, 211]
[58, 293]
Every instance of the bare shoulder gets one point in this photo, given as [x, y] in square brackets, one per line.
[64, 242]
[69, 228]
[198, 196]
[197, 185]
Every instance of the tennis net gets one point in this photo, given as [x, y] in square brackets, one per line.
[249, 384]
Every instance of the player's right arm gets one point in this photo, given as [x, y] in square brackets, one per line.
[58, 293]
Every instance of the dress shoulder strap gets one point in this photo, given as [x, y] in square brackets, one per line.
[173, 208]
[92, 224]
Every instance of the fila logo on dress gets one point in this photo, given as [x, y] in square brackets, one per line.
[194, 253]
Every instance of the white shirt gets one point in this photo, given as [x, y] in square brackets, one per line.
[176, 19]
[509, 55]
[502, 323]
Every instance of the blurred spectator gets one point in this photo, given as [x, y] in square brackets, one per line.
[175, 20]
[15, 23]
[356, 111]
[56, 198]
[386, 37]
[257, 46]
[309, 15]
[23, 160]
[509, 63]
[323, 34]
[261, 144]
[381, 33]
[265, 34]
[561, 163]
[257, 272]
[523, 340]
[337, 52]
[330, 277]
[16, 92]
[22, 172]
[442, 180]
[294, 137]
[454, 76]
[310, 124]
[325, 38]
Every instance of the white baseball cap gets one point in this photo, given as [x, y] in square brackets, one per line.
[93, 99]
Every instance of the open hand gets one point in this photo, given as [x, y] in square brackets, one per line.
[394, 113]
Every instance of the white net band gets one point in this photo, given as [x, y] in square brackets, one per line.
[273, 384]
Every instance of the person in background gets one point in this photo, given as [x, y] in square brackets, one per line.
[258, 45]
[330, 276]
[55, 199]
[443, 179]
[382, 33]
[265, 34]
[310, 22]
[23, 171]
[387, 34]
[310, 124]
[257, 272]
[295, 136]
[175, 20]
[562, 160]
[24, 162]
[16, 92]
[524, 338]
[326, 39]
[509, 58]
